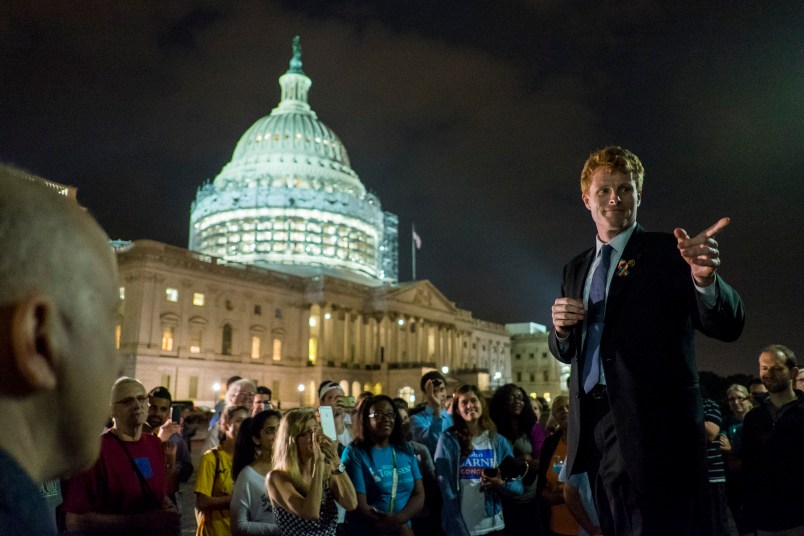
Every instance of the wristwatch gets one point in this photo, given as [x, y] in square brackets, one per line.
[338, 470]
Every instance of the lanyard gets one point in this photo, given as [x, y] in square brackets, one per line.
[395, 482]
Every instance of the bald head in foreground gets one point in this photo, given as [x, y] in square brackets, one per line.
[58, 299]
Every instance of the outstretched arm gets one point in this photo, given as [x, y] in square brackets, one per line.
[701, 252]
[720, 309]
[427, 426]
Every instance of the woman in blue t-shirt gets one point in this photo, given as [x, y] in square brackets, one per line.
[384, 471]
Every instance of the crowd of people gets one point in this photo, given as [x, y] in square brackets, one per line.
[634, 449]
[495, 464]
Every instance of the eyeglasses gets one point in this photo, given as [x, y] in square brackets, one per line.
[142, 399]
[737, 398]
[389, 416]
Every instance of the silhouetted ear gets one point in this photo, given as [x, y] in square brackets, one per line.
[34, 326]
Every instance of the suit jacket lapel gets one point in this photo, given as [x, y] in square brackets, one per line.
[633, 250]
[581, 271]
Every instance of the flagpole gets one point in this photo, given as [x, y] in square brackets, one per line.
[413, 248]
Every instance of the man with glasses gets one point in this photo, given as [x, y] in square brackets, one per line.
[126, 491]
[240, 393]
[773, 442]
[221, 404]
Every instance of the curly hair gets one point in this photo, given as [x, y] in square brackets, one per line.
[245, 449]
[613, 158]
[498, 409]
[286, 452]
[460, 429]
[361, 427]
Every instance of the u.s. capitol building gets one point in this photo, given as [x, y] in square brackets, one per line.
[291, 277]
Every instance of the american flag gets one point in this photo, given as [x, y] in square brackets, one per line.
[417, 239]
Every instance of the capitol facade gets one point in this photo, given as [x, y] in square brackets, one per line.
[291, 278]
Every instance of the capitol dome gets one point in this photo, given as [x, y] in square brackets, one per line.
[289, 199]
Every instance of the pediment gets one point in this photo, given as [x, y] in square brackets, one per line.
[422, 294]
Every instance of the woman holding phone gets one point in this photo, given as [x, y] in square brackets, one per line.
[384, 471]
[467, 460]
[307, 478]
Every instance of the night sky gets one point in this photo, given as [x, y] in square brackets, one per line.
[470, 118]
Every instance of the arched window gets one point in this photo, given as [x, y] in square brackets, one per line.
[226, 343]
[168, 334]
[196, 325]
[169, 323]
[277, 341]
[257, 335]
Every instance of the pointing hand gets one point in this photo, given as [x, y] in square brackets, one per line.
[701, 252]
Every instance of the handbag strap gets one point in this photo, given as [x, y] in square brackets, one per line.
[146, 489]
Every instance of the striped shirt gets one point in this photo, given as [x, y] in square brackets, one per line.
[715, 467]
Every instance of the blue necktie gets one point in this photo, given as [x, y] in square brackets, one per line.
[595, 310]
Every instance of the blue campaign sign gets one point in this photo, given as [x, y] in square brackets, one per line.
[478, 460]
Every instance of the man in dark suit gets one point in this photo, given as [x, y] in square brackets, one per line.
[625, 323]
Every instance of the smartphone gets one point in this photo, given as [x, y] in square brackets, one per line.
[175, 413]
[327, 422]
[348, 401]
[491, 472]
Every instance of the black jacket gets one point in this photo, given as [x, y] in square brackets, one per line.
[646, 349]
[773, 466]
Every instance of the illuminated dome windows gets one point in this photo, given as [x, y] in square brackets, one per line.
[289, 200]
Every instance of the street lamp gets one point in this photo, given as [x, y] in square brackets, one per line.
[301, 395]
[445, 370]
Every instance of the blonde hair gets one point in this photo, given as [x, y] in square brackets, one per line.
[743, 390]
[737, 387]
[286, 452]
